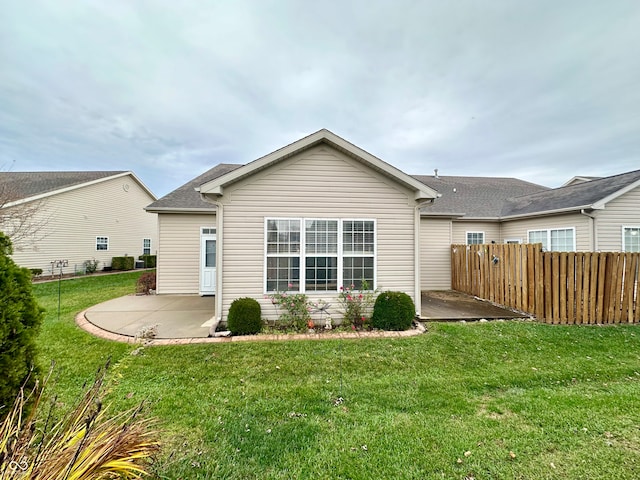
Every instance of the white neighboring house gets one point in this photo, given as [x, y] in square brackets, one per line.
[79, 216]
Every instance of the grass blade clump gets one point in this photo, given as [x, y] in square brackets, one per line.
[84, 444]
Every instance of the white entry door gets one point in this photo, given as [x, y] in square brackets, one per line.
[208, 261]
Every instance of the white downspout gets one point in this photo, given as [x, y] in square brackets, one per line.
[417, 294]
[219, 248]
[592, 223]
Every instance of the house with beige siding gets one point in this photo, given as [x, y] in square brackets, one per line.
[77, 216]
[316, 215]
[322, 213]
[585, 214]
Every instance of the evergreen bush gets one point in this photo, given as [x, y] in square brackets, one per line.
[244, 317]
[393, 311]
[149, 260]
[122, 263]
[20, 320]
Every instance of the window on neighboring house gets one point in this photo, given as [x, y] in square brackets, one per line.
[333, 252]
[554, 239]
[475, 238]
[102, 243]
[631, 239]
[146, 246]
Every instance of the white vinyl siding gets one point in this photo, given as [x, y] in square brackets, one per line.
[631, 239]
[475, 238]
[581, 223]
[622, 211]
[178, 264]
[75, 218]
[554, 239]
[319, 183]
[435, 253]
[460, 228]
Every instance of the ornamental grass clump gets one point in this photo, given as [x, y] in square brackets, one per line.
[393, 311]
[244, 317]
[84, 444]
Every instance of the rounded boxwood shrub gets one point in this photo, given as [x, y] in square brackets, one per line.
[393, 311]
[244, 317]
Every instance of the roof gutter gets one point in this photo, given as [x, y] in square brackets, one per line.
[577, 208]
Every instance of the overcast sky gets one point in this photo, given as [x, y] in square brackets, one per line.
[539, 90]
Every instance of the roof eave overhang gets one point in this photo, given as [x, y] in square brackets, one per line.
[600, 204]
[58, 191]
[208, 211]
[441, 215]
[216, 187]
[576, 209]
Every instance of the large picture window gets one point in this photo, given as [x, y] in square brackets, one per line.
[332, 252]
[554, 239]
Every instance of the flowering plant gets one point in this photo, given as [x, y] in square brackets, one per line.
[295, 308]
[357, 304]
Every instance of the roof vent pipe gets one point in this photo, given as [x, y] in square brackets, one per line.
[435, 170]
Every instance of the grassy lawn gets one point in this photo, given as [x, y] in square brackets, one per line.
[483, 400]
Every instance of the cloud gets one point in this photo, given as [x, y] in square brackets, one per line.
[541, 90]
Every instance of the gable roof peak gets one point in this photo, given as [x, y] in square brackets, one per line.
[216, 186]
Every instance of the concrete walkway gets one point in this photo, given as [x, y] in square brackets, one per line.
[184, 319]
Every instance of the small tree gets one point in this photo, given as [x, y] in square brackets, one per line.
[20, 320]
[24, 222]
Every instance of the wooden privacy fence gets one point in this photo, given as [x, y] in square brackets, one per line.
[556, 287]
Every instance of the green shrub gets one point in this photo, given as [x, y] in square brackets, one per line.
[146, 282]
[393, 311]
[91, 266]
[149, 260]
[244, 317]
[20, 320]
[122, 263]
[35, 272]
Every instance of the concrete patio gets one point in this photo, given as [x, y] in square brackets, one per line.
[190, 317]
[177, 316]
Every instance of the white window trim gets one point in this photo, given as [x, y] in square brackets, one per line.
[512, 240]
[624, 227]
[302, 255]
[548, 231]
[102, 250]
[466, 237]
[143, 247]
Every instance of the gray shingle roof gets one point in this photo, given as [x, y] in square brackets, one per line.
[474, 197]
[21, 185]
[186, 197]
[581, 195]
